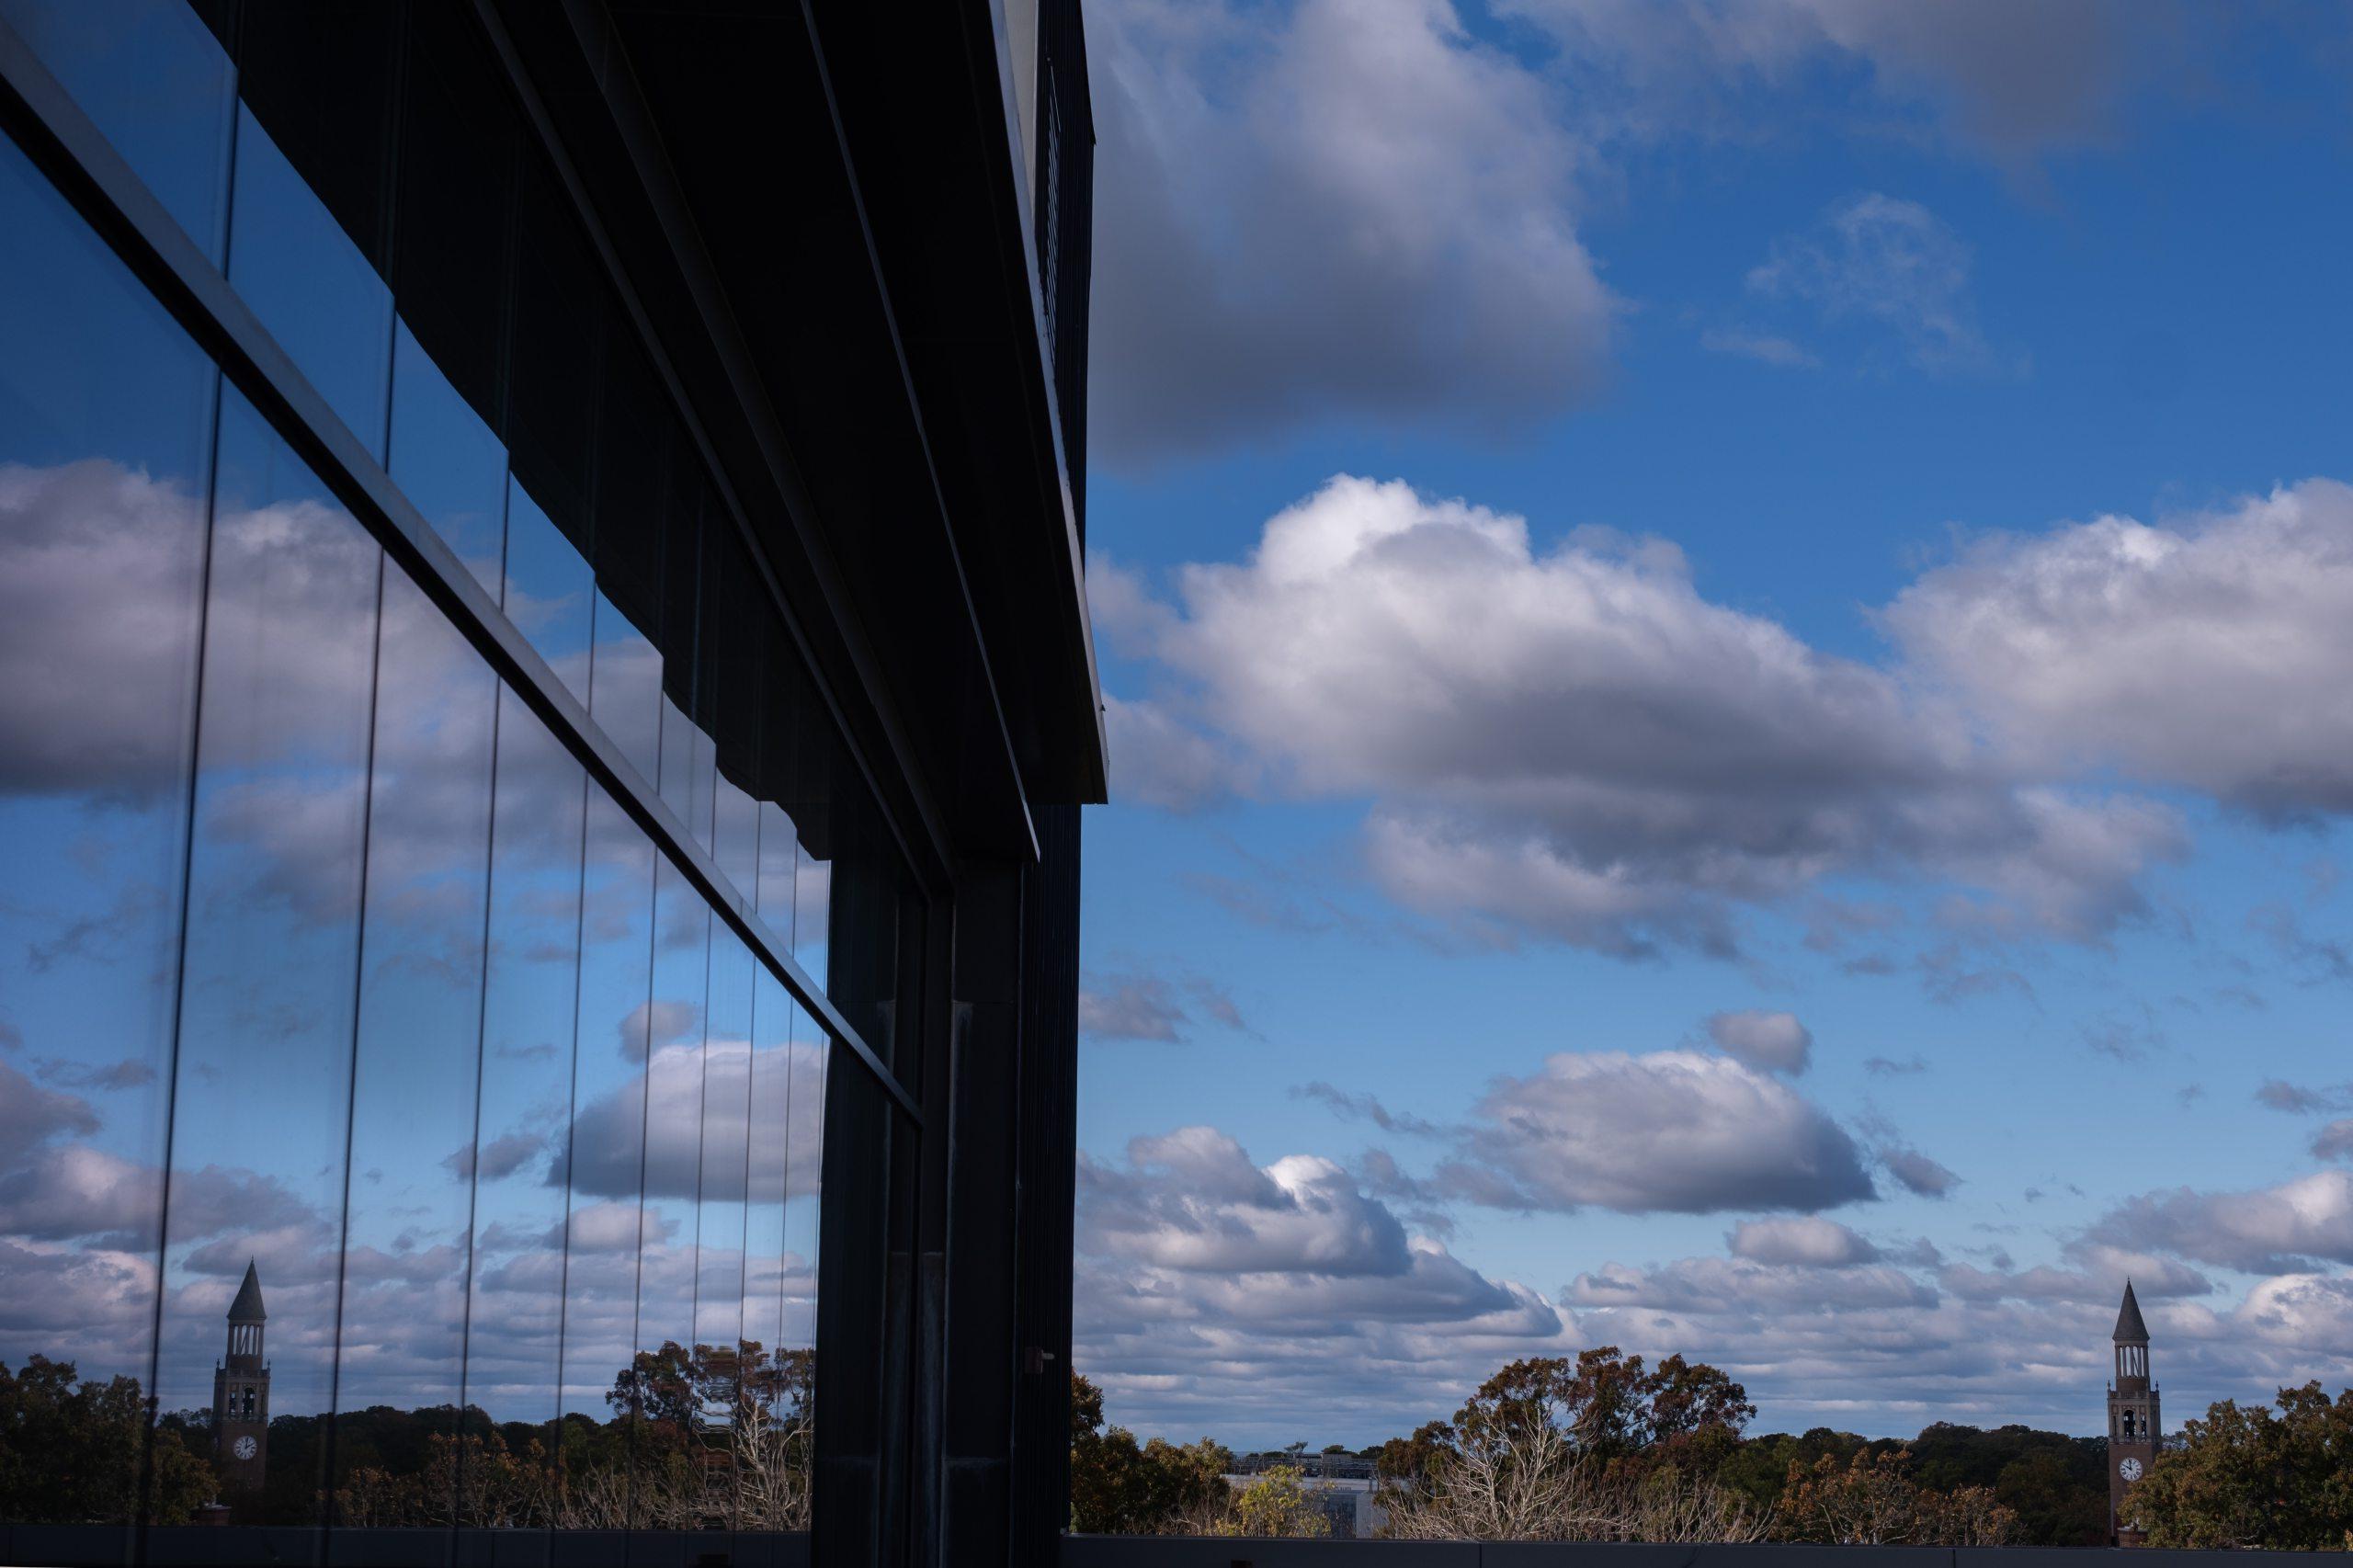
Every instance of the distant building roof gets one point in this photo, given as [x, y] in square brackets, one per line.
[247, 1307]
[2130, 1329]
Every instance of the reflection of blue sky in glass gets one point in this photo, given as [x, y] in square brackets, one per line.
[673, 1103]
[518, 1167]
[550, 592]
[727, 1132]
[157, 84]
[625, 688]
[413, 1241]
[274, 888]
[447, 461]
[608, 1095]
[310, 284]
[104, 427]
[420, 1011]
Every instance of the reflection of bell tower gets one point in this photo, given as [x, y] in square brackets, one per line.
[2133, 1420]
[241, 1395]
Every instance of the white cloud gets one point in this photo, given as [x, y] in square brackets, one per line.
[1673, 1131]
[2272, 1230]
[1775, 1041]
[2207, 651]
[1802, 1241]
[1216, 1295]
[1576, 744]
[1331, 208]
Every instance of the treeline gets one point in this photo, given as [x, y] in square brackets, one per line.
[715, 1437]
[1605, 1447]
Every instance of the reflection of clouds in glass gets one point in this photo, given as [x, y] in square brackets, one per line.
[97, 612]
[605, 1161]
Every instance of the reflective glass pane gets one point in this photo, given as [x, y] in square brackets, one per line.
[104, 430]
[157, 84]
[718, 1237]
[772, 1448]
[550, 593]
[401, 1351]
[311, 286]
[263, 1088]
[625, 688]
[664, 1375]
[608, 1158]
[447, 461]
[515, 1338]
[778, 850]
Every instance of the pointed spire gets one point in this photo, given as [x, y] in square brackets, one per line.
[2130, 1329]
[247, 1307]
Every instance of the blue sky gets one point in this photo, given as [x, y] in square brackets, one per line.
[1841, 544]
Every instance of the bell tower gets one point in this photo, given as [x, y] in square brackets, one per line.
[2133, 1420]
[241, 1395]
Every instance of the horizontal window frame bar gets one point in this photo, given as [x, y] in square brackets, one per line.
[86, 169]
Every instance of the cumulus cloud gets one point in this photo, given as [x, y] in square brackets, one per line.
[1577, 743]
[1215, 1293]
[1192, 1199]
[635, 1134]
[2334, 1142]
[100, 568]
[2206, 651]
[1675, 1131]
[1893, 266]
[1327, 208]
[1892, 1344]
[1775, 1041]
[1804, 1241]
[2274, 1230]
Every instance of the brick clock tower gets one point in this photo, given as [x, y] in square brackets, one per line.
[241, 1395]
[2134, 1421]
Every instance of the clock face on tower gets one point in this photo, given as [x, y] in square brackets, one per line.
[244, 1450]
[2130, 1470]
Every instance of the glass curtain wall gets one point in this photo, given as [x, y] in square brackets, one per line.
[391, 1135]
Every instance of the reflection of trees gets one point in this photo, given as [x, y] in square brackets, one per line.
[69, 1451]
[712, 1437]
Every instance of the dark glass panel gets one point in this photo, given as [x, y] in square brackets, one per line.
[685, 739]
[559, 311]
[452, 237]
[639, 440]
[741, 648]
[718, 1234]
[608, 1157]
[263, 1089]
[157, 86]
[447, 461]
[320, 78]
[549, 594]
[399, 1353]
[513, 1345]
[674, 1110]
[312, 287]
[104, 433]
